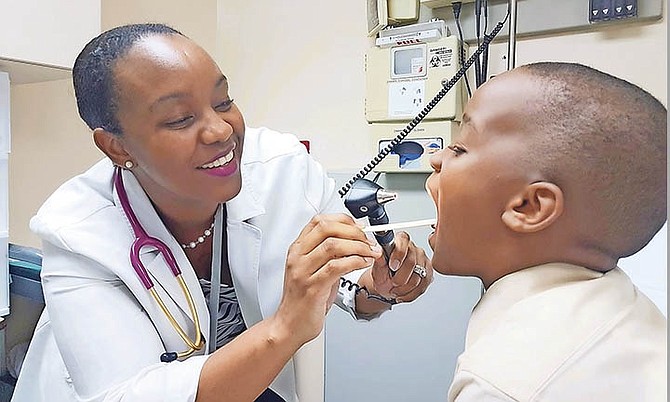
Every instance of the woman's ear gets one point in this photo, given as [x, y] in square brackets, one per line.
[534, 209]
[111, 145]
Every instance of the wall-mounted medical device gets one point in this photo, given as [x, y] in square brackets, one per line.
[401, 79]
[413, 154]
[405, 69]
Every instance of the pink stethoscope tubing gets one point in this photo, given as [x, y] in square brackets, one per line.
[142, 239]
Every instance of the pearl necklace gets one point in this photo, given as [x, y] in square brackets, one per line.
[201, 239]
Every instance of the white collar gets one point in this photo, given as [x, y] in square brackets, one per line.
[244, 205]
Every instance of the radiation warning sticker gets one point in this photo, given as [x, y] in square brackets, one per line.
[440, 57]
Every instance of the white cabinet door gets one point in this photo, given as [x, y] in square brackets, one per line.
[4, 189]
[50, 32]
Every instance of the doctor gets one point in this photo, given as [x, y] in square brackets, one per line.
[223, 296]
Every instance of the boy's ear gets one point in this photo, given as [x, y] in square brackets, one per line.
[111, 145]
[534, 209]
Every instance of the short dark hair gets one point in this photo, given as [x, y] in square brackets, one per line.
[92, 74]
[608, 136]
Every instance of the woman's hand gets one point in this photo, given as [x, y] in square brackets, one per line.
[329, 247]
[404, 278]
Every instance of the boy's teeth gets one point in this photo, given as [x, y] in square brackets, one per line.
[219, 162]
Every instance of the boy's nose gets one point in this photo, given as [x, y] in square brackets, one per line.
[436, 161]
[430, 186]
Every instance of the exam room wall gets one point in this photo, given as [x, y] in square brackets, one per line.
[195, 19]
[299, 67]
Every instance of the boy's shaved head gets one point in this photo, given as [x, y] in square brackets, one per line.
[603, 141]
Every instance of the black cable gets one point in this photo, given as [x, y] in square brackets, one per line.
[485, 54]
[376, 177]
[478, 34]
[346, 283]
[461, 54]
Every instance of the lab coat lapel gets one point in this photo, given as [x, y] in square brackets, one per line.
[244, 249]
[165, 283]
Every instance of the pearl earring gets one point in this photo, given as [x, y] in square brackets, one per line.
[129, 164]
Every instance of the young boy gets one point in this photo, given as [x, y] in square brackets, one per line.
[559, 171]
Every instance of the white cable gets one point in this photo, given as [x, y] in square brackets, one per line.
[399, 225]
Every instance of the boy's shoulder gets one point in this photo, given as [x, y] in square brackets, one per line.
[584, 329]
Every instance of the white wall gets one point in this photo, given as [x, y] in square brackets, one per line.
[50, 144]
[298, 66]
[195, 19]
[649, 269]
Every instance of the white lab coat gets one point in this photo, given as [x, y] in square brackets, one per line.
[101, 333]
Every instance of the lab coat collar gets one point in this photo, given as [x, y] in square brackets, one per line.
[159, 272]
[246, 204]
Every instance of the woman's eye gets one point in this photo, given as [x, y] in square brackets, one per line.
[180, 123]
[225, 105]
[457, 149]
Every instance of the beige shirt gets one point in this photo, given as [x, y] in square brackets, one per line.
[559, 332]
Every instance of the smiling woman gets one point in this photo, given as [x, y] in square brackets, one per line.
[176, 116]
[176, 255]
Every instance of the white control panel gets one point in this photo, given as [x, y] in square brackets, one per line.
[402, 79]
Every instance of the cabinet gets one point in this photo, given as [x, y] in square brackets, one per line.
[47, 32]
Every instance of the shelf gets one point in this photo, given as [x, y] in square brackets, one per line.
[25, 72]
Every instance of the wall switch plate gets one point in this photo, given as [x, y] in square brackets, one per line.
[600, 10]
[608, 10]
[624, 8]
[546, 17]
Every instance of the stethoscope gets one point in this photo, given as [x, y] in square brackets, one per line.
[142, 239]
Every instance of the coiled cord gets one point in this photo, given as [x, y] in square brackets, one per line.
[346, 283]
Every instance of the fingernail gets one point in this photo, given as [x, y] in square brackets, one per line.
[394, 265]
[376, 248]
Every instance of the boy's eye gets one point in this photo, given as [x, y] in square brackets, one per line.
[457, 149]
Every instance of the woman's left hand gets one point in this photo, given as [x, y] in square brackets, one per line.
[404, 278]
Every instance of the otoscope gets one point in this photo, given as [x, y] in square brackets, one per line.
[366, 199]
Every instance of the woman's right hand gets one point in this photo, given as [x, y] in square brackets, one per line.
[328, 247]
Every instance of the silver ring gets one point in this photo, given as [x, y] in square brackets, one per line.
[419, 270]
